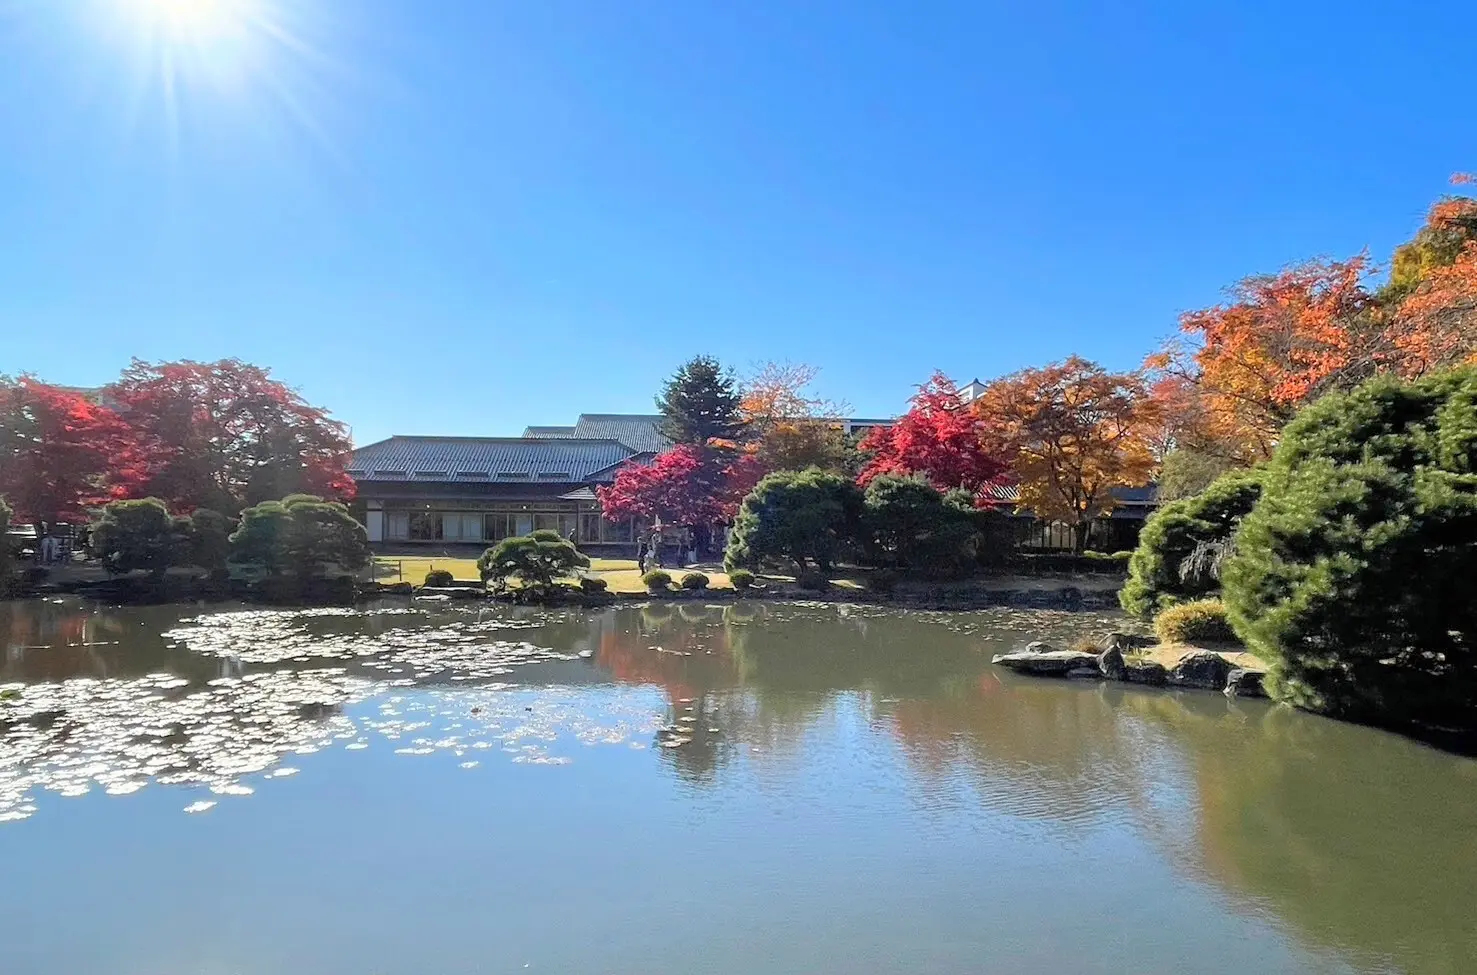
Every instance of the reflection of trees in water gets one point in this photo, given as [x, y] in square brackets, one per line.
[48, 641]
[1362, 839]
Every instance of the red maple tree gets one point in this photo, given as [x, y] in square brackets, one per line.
[62, 452]
[226, 435]
[687, 485]
[939, 439]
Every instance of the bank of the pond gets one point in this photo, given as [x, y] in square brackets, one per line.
[1135, 659]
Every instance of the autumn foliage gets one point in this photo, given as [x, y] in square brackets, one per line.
[940, 439]
[687, 485]
[1072, 432]
[222, 435]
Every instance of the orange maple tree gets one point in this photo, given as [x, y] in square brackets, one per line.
[792, 427]
[1073, 432]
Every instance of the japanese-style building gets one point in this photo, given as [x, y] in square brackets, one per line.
[476, 490]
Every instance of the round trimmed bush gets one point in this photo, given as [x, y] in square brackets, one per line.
[657, 580]
[882, 581]
[1174, 532]
[812, 580]
[741, 579]
[592, 585]
[694, 580]
[1203, 621]
[438, 578]
[1353, 575]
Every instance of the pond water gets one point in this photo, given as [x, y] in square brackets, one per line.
[728, 789]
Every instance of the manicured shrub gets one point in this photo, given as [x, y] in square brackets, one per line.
[438, 578]
[909, 524]
[812, 580]
[657, 580]
[593, 585]
[806, 517]
[741, 579]
[1203, 621]
[139, 535]
[300, 536]
[694, 580]
[1353, 574]
[1172, 534]
[882, 581]
[534, 560]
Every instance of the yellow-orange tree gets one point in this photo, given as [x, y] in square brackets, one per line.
[1072, 431]
[793, 428]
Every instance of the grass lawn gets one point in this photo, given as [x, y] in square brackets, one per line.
[620, 574]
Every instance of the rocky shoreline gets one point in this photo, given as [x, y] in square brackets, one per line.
[1198, 669]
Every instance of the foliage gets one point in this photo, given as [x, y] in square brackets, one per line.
[535, 561]
[1073, 432]
[139, 535]
[1353, 573]
[813, 580]
[225, 435]
[593, 585]
[1187, 471]
[62, 453]
[1203, 621]
[804, 516]
[300, 536]
[208, 535]
[741, 578]
[700, 403]
[687, 485]
[1171, 534]
[883, 581]
[939, 439]
[907, 523]
[657, 580]
[694, 580]
[439, 578]
[793, 429]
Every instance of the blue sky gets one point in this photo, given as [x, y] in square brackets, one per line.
[465, 216]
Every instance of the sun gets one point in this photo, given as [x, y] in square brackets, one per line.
[193, 21]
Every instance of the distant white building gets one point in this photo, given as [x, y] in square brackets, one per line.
[971, 391]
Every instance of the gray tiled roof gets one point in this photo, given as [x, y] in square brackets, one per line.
[484, 459]
[640, 432]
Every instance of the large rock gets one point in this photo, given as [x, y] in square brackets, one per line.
[1201, 668]
[1245, 682]
[1110, 664]
[1047, 663]
[1145, 672]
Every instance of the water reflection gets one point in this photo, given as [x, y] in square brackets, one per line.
[1360, 840]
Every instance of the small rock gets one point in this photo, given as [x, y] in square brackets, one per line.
[1127, 641]
[1201, 668]
[1110, 664]
[1244, 681]
[1055, 663]
[1145, 672]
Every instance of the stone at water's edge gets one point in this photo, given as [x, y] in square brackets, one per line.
[1201, 668]
[1145, 672]
[1128, 641]
[1049, 662]
[1110, 664]
[1242, 681]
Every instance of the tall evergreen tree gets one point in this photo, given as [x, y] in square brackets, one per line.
[701, 403]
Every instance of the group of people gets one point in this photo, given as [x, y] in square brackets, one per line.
[653, 550]
[50, 550]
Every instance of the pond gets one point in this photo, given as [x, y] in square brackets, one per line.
[442, 788]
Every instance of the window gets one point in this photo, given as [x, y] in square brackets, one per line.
[397, 525]
[386, 475]
[357, 472]
[429, 475]
[512, 475]
[473, 475]
[425, 526]
[568, 525]
[590, 527]
[553, 475]
[495, 526]
[543, 522]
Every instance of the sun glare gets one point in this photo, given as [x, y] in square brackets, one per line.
[192, 21]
